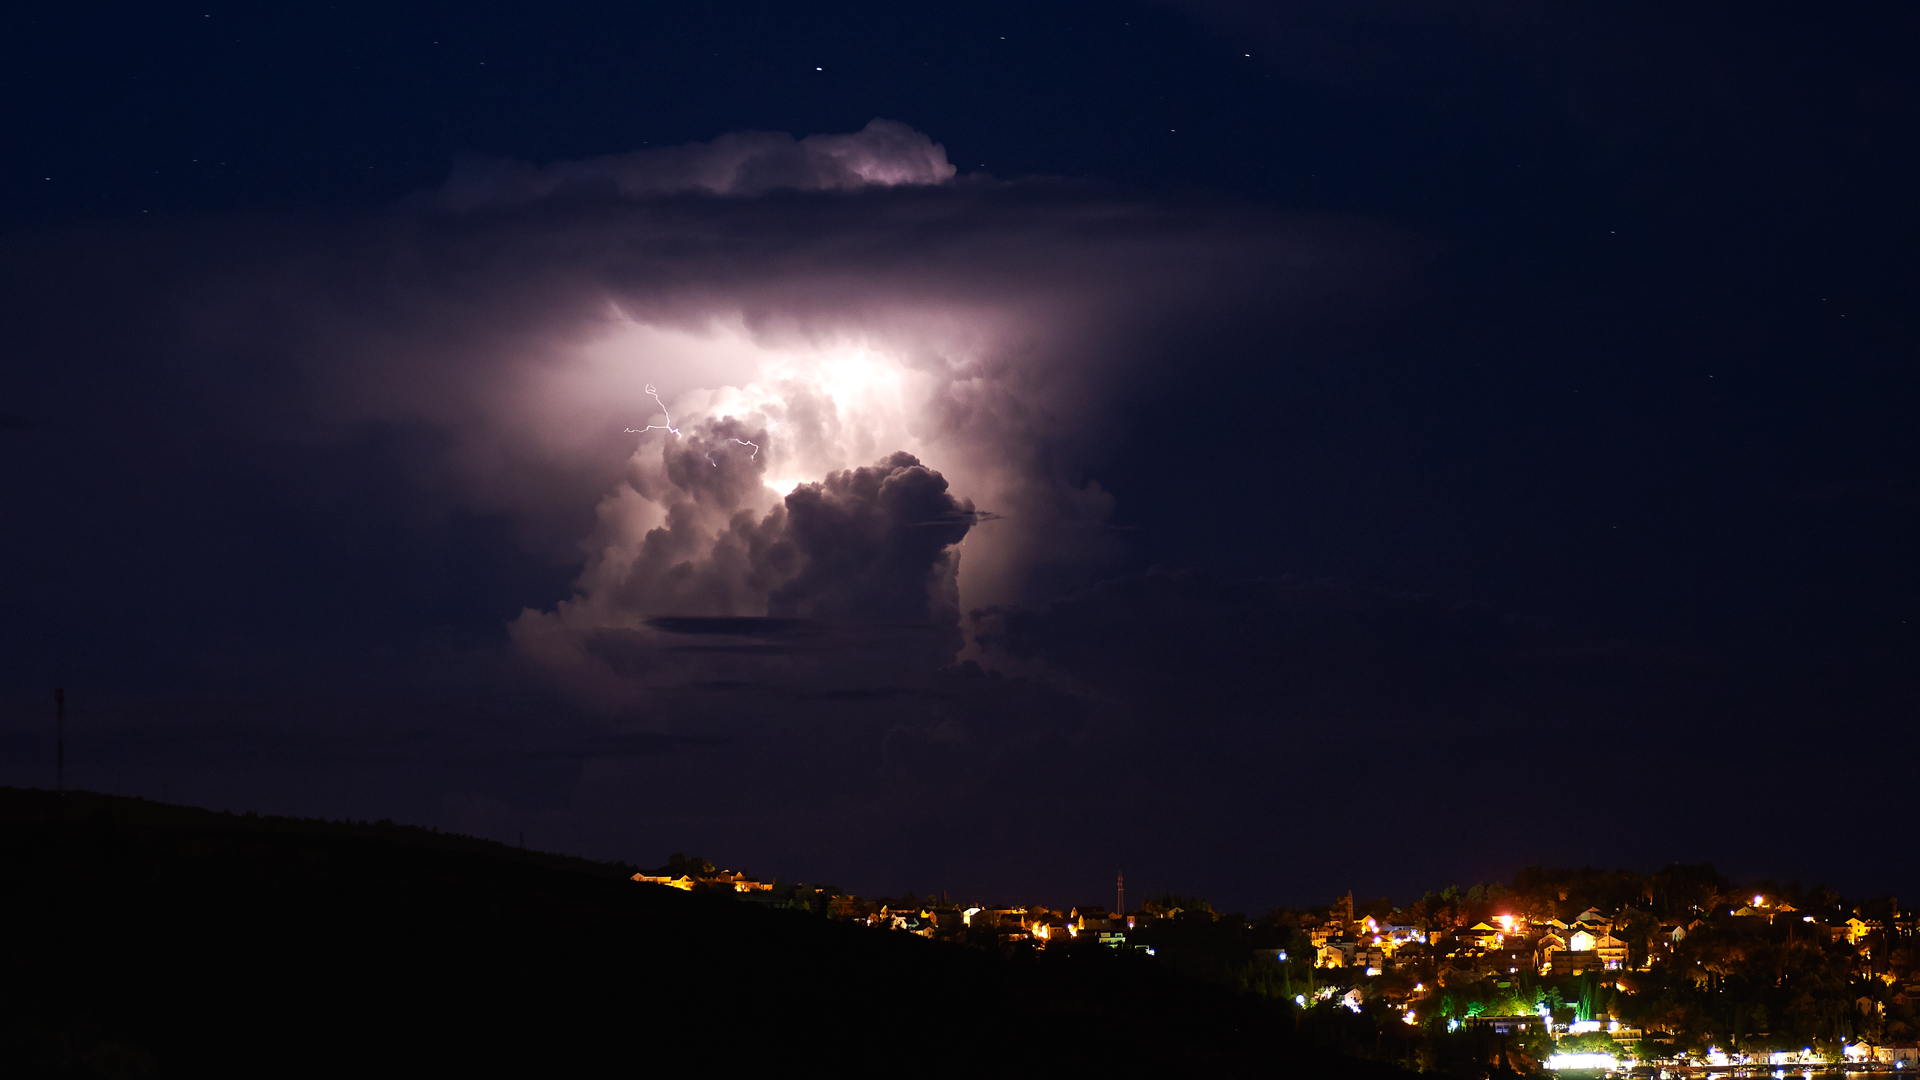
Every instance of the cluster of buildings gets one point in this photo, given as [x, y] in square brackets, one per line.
[1506, 944]
[929, 918]
[1405, 963]
[1037, 926]
[710, 880]
[1510, 944]
[1496, 949]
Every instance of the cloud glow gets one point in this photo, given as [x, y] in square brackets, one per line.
[826, 318]
[826, 406]
[812, 408]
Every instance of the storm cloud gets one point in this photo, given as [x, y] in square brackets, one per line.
[693, 374]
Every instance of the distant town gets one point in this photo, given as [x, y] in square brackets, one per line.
[1677, 972]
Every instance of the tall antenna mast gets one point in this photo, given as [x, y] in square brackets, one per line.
[60, 740]
[1120, 895]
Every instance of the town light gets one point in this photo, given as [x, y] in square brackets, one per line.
[1581, 1061]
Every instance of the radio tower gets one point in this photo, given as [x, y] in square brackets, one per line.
[59, 740]
[1120, 895]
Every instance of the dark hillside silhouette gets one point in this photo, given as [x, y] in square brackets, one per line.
[156, 940]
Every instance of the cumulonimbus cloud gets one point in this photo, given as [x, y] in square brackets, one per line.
[671, 378]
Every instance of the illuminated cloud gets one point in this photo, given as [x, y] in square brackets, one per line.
[863, 556]
[884, 153]
[806, 311]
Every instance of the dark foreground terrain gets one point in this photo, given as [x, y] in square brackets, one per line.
[152, 940]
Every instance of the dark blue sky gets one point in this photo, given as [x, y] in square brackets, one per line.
[1604, 462]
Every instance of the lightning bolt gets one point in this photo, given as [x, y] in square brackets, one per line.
[670, 429]
[668, 426]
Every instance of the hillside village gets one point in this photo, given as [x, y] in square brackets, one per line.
[1557, 969]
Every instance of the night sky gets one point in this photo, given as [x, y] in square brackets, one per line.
[1267, 449]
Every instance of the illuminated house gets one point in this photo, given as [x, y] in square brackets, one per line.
[1513, 959]
[1372, 960]
[1336, 952]
[1050, 927]
[1574, 961]
[722, 880]
[1092, 919]
[683, 882]
[1612, 952]
[1902, 1054]
[1544, 949]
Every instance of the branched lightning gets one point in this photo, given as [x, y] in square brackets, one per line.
[670, 429]
[742, 442]
[668, 426]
